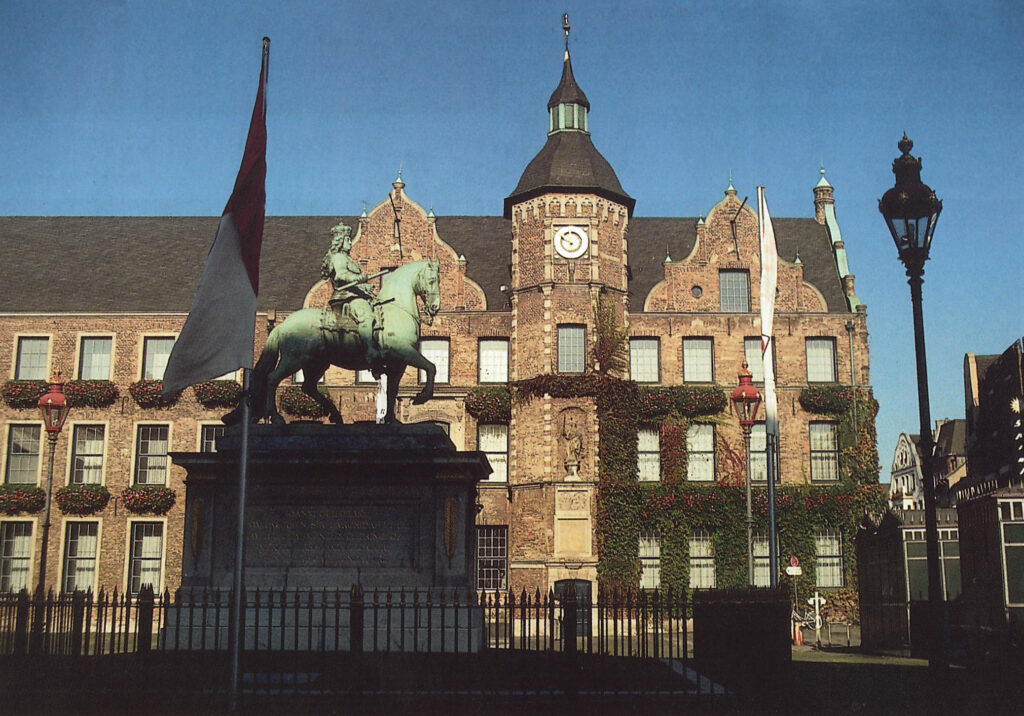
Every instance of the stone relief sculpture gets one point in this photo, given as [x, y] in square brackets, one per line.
[361, 331]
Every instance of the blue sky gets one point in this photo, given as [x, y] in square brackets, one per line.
[140, 108]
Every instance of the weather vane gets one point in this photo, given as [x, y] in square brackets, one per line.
[565, 28]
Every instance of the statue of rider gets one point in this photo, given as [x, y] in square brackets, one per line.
[341, 269]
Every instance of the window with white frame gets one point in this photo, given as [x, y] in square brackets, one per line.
[145, 558]
[572, 349]
[762, 578]
[828, 556]
[94, 358]
[752, 354]
[824, 451]
[155, 352]
[492, 440]
[1013, 558]
[491, 556]
[15, 555]
[31, 361]
[22, 455]
[151, 455]
[81, 542]
[700, 449]
[208, 437]
[698, 360]
[436, 351]
[493, 360]
[365, 376]
[758, 453]
[734, 291]
[702, 560]
[643, 360]
[648, 454]
[821, 360]
[87, 454]
[650, 560]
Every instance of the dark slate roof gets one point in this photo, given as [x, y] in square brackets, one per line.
[568, 91]
[651, 238]
[150, 264]
[952, 438]
[569, 162]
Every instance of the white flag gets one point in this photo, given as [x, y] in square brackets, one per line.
[769, 281]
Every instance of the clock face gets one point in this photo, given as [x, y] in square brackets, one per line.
[571, 242]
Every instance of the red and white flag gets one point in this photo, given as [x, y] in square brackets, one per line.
[769, 281]
[218, 334]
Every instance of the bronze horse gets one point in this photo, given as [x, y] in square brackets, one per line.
[309, 340]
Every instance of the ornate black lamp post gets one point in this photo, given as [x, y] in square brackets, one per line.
[911, 211]
[745, 403]
[54, 408]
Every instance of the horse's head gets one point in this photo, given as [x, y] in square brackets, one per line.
[428, 287]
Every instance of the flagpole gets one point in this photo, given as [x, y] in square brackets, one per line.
[238, 584]
[768, 280]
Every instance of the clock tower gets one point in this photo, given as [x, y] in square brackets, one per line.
[569, 219]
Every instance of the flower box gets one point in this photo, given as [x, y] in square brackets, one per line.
[81, 499]
[91, 393]
[218, 393]
[294, 402]
[489, 405]
[148, 499]
[23, 393]
[149, 394]
[21, 498]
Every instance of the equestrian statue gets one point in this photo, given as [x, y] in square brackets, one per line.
[360, 331]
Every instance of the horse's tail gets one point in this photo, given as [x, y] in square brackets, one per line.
[258, 382]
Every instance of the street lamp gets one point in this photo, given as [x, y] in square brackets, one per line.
[911, 211]
[54, 407]
[745, 403]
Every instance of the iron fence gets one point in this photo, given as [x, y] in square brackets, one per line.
[636, 624]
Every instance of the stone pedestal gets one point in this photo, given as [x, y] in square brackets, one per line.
[330, 507]
[382, 506]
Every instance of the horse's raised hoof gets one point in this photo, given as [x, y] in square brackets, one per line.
[233, 417]
[420, 398]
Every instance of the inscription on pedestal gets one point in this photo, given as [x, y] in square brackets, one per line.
[331, 536]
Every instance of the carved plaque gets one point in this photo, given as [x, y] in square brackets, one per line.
[332, 536]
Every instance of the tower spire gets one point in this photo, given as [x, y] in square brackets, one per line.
[565, 28]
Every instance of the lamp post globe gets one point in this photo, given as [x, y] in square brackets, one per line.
[911, 210]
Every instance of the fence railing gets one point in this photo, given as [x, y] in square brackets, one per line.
[636, 624]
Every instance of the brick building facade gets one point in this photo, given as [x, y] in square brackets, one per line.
[518, 301]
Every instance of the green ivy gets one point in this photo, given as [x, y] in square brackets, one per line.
[491, 404]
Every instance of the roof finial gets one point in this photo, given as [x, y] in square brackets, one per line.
[565, 29]
[730, 189]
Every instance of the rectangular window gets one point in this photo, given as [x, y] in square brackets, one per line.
[492, 440]
[435, 350]
[15, 555]
[734, 291]
[824, 452]
[31, 361]
[208, 437]
[758, 453]
[821, 360]
[151, 455]
[702, 561]
[572, 349]
[146, 555]
[155, 352]
[94, 359]
[22, 455]
[87, 455]
[650, 560]
[761, 561]
[828, 554]
[365, 376]
[80, 547]
[698, 360]
[752, 354]
[491, 556]
[493, 360]
[1013, 555]
[700, 448]
[648, 452]
[643, 360]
